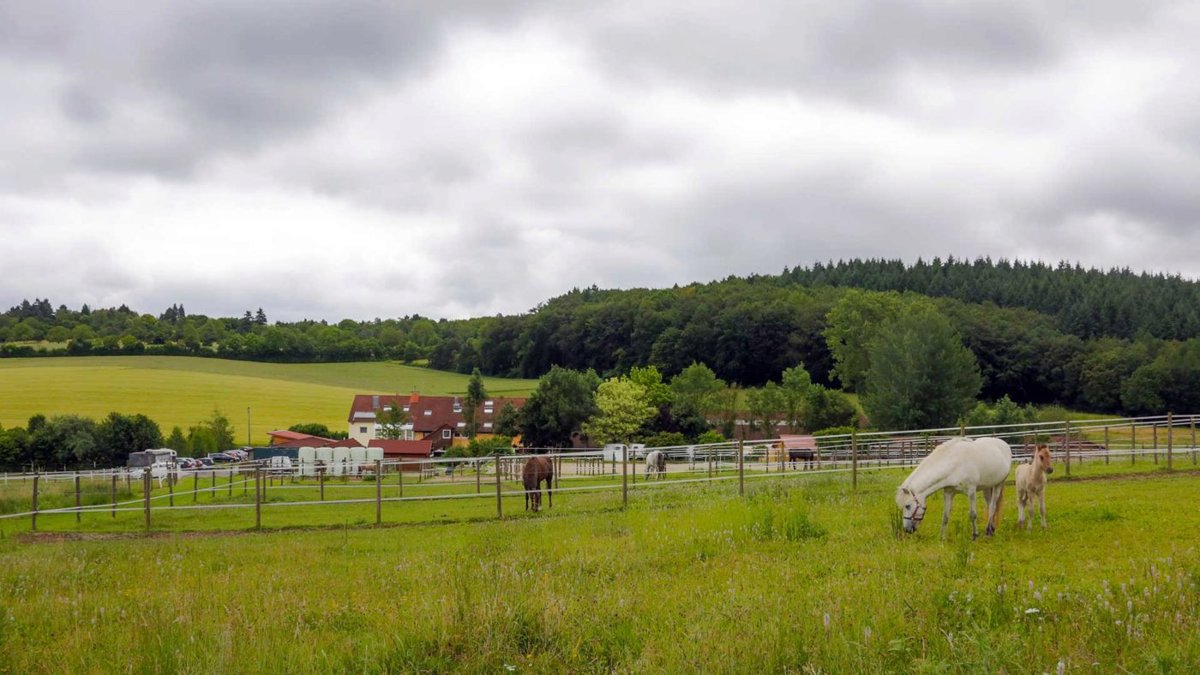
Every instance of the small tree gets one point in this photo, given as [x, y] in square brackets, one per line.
[508, 421]
[176, 440]
[391, 420]
[563, 401]
[622, 409]
[796, 385]
[765, 405]
[476, 395]
[921, 374]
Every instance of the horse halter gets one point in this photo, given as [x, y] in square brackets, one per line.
[918, 511]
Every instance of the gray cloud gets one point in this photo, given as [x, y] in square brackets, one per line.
[366, 159]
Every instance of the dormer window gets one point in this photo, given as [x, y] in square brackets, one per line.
[387, 408]
[429, 413]
[405, 408]
[461, 425]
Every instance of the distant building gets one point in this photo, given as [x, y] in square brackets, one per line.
[438, 419]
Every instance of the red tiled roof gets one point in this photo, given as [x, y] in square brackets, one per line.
[289, 435]
[430, 413]
[317, 442]
[393, 448]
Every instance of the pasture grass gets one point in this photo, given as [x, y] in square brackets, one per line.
[799, 575]
[182, 390]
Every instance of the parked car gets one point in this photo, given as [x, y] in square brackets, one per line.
[222, 458]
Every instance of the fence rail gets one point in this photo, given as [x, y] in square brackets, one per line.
[247, 485]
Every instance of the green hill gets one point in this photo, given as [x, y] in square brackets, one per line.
[180, 390]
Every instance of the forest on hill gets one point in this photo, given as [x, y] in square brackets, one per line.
[1108, 341]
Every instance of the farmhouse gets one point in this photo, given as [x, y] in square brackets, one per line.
[438, 419]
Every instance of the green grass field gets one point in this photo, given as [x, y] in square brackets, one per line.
[179, 390]
[800, 575]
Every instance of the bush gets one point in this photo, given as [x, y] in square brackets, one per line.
[710, 436]
[665, 439]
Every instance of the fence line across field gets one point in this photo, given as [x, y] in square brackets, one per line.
[686, 465]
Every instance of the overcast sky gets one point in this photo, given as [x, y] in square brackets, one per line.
[359, 160]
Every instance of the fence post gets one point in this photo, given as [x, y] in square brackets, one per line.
[1067, 444]
[378, 491]
[741, 467]
[1192, 423]
[1154, 439]
[625, 476]
[146, 495]
[1106, 448]
[195, 486]
[213, 490]
[478, 480]
[962, 429]
[499, 503]
[1133, 443]
[854, 459]
[1170, 440]
[258, 498]
[321, 481]
[231, 481]
[172, 476]
[33, 514]
[400, 478]
[78, 515]
[114, 494]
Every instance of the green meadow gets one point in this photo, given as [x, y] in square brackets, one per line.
[180, 390]
[800, 575]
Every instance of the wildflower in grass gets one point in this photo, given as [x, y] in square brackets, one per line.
[867, 632]
[1033, 610]
[826, 621]
[1061, 667]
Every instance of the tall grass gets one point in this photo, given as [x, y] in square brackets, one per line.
[802, 578]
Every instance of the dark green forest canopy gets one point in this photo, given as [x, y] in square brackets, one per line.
[1041, 333]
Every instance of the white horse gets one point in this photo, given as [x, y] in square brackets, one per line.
[958, 465]
[656, 461]
[1031, 482]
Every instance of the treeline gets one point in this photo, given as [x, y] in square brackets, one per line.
[72, 441]
[1109, 341]
[1086, 302]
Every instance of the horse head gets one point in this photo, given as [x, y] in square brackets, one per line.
[912, 504]
[1041, 457]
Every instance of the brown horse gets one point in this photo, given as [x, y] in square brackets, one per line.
[538, 469]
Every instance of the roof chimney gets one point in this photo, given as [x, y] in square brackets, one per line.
[375, 402]
[416, 396]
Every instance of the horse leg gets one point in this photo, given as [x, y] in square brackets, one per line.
[947, 503]
[1042, 505]
[974, 512]
[549, 493]
[1021, 498]
[991, 496]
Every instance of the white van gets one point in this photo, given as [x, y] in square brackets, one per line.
[614, 452]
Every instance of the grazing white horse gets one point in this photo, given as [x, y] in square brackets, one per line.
[958, 465]
[1031, 482]
[656, 462]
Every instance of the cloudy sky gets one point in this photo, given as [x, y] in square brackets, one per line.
[358, 159]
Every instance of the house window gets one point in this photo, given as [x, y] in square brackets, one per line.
[457, 407]
[429, 413]
[461, 425]
[487, 425]
[405, 408]
[488, 403]
[387, 408]
[446, 433]
[362, 430]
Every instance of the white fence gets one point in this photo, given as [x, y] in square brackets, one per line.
[364, 480]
